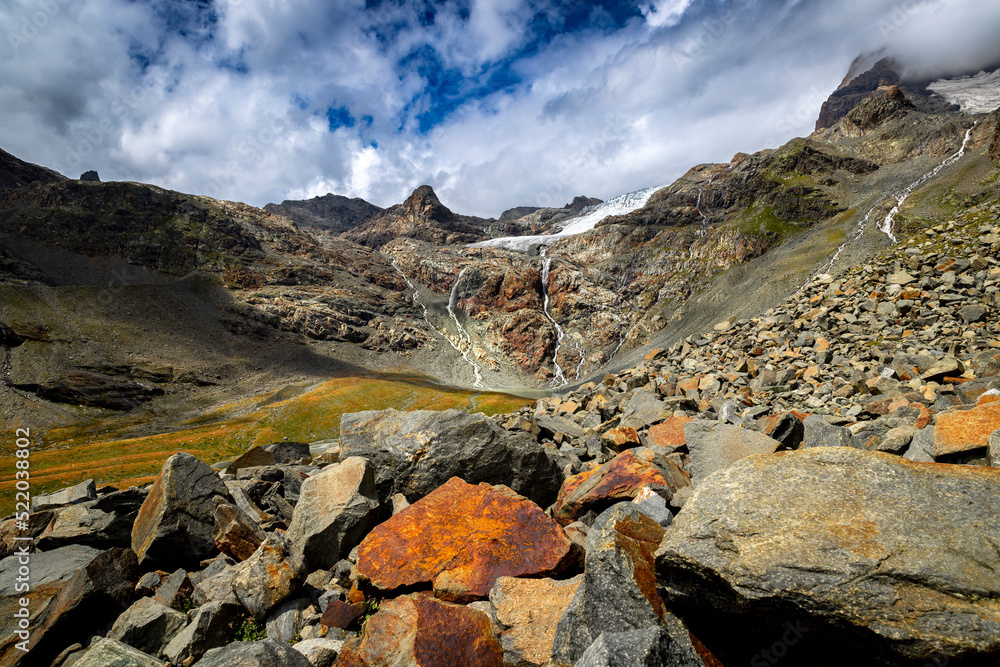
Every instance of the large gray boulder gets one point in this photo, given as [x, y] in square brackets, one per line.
[618, 593]
[266, 653]
[716, 445]
[148, 625]
[666, 646]
[414, 453]
[103, 523]
[212, 625]
[881, 560]
[336, 509]
[174, 525]
[111, 653]
[272, 575]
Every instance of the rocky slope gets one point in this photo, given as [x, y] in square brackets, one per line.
[816, 484]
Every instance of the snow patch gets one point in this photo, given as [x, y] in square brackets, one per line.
[975, 94]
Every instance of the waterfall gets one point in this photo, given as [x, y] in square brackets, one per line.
[464, 338]
[546, 266]
[703, 232]
[886, 225]
[416, 300]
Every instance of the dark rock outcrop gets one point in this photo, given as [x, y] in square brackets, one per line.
[995, 146]
[90, 177]
[327, 214]
[414, 453]
[15, 173]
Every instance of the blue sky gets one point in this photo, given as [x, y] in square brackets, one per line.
[496, 103]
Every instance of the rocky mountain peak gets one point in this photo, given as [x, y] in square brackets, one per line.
[581, 202]
[15, 173]
[423, 206]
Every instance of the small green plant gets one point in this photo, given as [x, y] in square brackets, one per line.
[371, 608]
[251, 631]
[296, 638]
[184, 605]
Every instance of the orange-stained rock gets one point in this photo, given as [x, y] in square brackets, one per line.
[621, 437]
[529, 611]
[965, 430]
[462, 538]
[670, 433]
[341, 614]
[419, 631]
[987, 398]
[822, 345]
[621, 478]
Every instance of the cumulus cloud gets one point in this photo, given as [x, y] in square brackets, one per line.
[495, 103]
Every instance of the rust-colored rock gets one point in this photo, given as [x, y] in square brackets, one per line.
[670, 433]
[965, 430]
[621, 478]
[529, 611]
[462, 538]
[419, 631]
[235, 534]
[341, 614]
[621, 437]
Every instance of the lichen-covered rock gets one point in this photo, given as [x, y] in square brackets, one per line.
[273, 574]
[212, 625]
[336, 509]
[174, 525]
[419, 631]
[881, 559]
[619, 479]
[461, 538]
[965, 430]
[529, 610]
[236, 534]
[414, 453]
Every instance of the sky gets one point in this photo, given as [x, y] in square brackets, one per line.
[494, 103]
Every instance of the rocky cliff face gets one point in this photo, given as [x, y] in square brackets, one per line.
[15, 173]
[995, 146]
[422, 216]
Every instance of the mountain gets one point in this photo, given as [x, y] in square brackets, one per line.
[327, 214]
[422, 216]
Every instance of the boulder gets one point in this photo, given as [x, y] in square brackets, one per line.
[528, 610]
[69, 496]
[213, 624]
[336, 509]
[818, 432]
[618, 593]
[148, 625]
[102, 523]
[419, 631]
[174, 526]
[964, 431]
[111, 653]
[320, 652]
[643, 410]
[174, 589]
[265, 653]
[414, 453]
[236, 534]
[881, 560]
[68, 611]
[47, 567]
[461, 538]
[619, 479]
[273, 574]
[649, 647]
[669, 434]
[715, 445]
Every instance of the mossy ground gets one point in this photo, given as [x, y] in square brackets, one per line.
[304, 413]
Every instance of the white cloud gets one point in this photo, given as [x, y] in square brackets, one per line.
[596, 112]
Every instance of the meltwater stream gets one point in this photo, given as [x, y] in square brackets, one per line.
[416, 299]
[464, 338]
[886, 225]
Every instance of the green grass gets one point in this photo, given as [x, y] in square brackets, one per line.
[70, 455]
